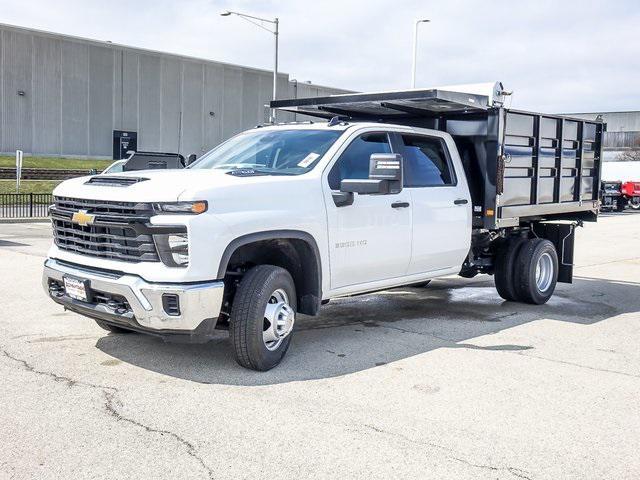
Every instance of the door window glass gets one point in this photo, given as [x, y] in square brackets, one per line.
[425, 162]
[354, 161]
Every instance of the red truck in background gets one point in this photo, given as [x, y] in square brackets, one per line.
[631, 193]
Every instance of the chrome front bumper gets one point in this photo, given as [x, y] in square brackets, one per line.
[198, 302]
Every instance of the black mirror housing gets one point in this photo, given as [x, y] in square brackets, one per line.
[342, 199]
[191, 158]
[365, 187]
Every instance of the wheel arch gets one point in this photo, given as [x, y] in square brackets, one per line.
[301, 257]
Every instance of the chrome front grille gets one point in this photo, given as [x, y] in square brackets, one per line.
[118, 231]
[103, 207]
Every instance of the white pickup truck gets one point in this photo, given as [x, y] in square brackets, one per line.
[391, 189]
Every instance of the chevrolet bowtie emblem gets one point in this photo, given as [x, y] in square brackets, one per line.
[81, 217]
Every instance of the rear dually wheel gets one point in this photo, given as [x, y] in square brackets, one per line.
[536, 271]
[504, 275]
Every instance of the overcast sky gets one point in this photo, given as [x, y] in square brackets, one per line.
[557, 56]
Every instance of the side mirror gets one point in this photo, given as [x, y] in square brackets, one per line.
[190, 159]
[385, 176]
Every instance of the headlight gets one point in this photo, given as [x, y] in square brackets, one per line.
[193, 208]
[173, 249]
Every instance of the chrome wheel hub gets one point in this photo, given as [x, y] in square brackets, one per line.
[544, 272]
[279, 318]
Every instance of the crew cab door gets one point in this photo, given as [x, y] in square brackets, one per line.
[434, 177]
[369, 240]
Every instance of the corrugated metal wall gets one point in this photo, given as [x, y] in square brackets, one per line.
[623, 130]
[77, 91]
[616, 121]
[621, 140]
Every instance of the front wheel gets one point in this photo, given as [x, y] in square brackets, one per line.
[262, 317]
[635, 205]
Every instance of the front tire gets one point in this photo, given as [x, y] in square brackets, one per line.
[262, 317]
[536, 271]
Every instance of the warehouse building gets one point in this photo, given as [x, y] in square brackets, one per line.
[623, 131]
[68, 96]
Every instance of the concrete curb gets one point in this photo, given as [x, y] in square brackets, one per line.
[25, 220]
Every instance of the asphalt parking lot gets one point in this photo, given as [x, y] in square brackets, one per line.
[447, 381]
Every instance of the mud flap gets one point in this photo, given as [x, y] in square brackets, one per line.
[562, 235]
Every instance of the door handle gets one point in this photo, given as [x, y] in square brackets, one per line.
[399, 204]
[460, 201]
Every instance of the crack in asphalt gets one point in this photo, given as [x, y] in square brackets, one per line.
[111, 402]
[588, 367]
[449, 343]
[426, 334]
[9, 467]
[110, 407]
[516, 472]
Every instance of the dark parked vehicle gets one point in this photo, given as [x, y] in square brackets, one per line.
[611, 196]
[153, 161]
[617, 195]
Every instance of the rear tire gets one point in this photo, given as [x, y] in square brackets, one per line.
[112, 328]
[536, 271]
[262, 317]
[504, 275]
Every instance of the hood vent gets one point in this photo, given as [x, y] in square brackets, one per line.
[109, 181]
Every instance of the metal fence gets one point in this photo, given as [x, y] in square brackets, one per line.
[25, 205]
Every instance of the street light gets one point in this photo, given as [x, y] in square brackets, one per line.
[415, 50]
[275, 23]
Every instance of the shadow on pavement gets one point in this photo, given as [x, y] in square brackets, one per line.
[359, 333]
[9, 243]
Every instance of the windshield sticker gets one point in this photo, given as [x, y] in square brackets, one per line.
[308, 160]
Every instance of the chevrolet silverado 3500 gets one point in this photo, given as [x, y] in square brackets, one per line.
[384, 190]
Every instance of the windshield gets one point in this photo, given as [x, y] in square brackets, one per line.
[270, 152]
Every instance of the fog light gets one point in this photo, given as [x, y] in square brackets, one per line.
[173, 249]
[179, 248]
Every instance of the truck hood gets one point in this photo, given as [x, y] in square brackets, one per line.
[153, 185]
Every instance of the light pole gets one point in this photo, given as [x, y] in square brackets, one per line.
[415, 50]
[275, 22]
